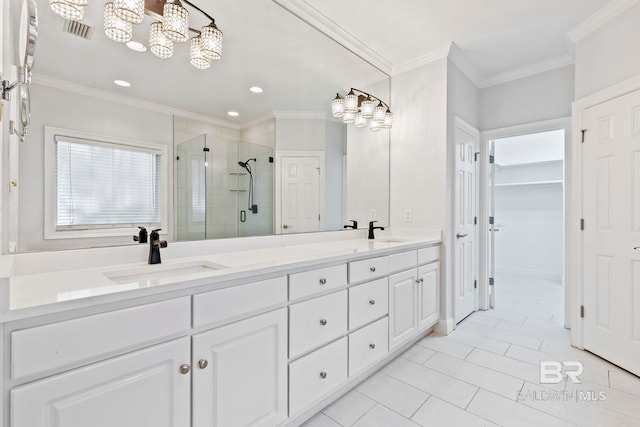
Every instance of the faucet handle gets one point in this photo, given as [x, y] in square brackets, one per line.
[371, 223]
[156, 230]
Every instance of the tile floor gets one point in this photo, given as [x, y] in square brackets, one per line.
[486, 373]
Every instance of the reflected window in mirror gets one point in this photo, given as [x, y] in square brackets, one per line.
[101, 187]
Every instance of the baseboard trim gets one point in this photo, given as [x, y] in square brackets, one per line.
[444, 326]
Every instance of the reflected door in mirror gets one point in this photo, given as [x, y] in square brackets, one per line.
[300, 209]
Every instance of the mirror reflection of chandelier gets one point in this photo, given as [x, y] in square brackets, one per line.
[172, 26]
[361, 108]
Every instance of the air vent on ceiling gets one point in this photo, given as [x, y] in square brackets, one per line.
[77, 29]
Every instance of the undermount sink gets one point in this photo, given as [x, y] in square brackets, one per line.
[152, 274]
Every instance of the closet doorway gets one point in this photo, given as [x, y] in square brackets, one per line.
[525, 201]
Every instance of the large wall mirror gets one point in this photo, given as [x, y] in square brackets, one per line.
[283, 164]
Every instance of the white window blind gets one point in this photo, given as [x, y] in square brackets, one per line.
[105, 185]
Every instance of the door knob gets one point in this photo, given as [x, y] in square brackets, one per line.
[460, 236]
[285, 226]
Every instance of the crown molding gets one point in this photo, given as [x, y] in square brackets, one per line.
[527, 70]
[258, 121]
[468, 69]
[598, 19]
[55, 83]
[300, 115]
[325, 25]
[421, 60]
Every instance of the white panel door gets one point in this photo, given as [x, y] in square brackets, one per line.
[465, 209]
[240, 373]
[428, 295]
[611, 236]
[140, 389]
[300, 204]
[402, 307]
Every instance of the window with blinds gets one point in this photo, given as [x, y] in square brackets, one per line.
[105, 185]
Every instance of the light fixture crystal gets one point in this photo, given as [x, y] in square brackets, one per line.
[349, 117]
[196, 57]
[115, 28]
[129, 10]
[351, 102]
[337, 106]
[159, 44]
[69, 9]
[375, 126]
[360, 121]
[367, 107]
[388, 120]
[211, 42]
[175, 22]
[379, 113]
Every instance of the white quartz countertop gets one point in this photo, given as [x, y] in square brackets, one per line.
[51, 292]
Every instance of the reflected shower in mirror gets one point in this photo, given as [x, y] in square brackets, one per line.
[220, 196]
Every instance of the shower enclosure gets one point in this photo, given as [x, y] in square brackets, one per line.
[224, 188]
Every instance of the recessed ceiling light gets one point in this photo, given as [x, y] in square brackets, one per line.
[122, 83]
[233, 113]
[256, 89]
[137, 46]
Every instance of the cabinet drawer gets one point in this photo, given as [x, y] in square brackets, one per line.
[368, 345]
[69, 342]
[315, 322]
[368, 302]
[231, 303]
[402, 261]
[367, 269]
[316, 374]
[316, 281]
[428, 255]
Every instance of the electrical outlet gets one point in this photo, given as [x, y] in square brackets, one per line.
[407, 215]
[373, 215]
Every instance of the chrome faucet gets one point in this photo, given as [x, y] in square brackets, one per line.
[154, 246]
[354, 224]
[371, 228]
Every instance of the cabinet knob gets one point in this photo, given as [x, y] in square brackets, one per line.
[323, 322]
[203, 363]
[372, 302]
[372, 346]
[418, 281]
[185, 369]
[372, 269]
[285, 226]
[323, 375]
[323, 281]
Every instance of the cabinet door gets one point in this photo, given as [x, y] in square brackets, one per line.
[240, 373]
[428, 295]
[140, 389]
[402, 307]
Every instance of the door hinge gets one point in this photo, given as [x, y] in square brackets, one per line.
[491, 220]
[583, 131]
[492, 159]
[476, 155]
[318, 217]
[582, 224]
[475, 284]
[475, 220]
[491, 281]
[205, 149]
[582, 311]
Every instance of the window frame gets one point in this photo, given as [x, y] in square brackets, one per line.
[50, 231]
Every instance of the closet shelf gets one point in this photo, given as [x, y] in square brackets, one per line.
[530, 183]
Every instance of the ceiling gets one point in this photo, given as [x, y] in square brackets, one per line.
[495, 36]
[299, 67]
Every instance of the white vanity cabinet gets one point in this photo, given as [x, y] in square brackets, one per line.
[149, 387]
[240, 373]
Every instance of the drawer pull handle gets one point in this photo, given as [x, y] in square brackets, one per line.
[372, 269]
[185, 369]
[372, 346]
[323, 281]
[323, 322]
[203, 363]
[372, 302]
[323, 375]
